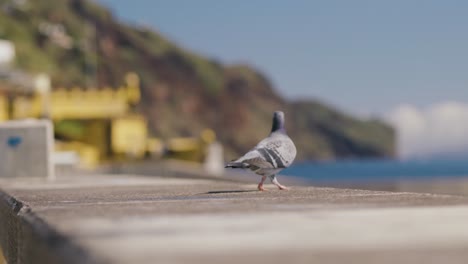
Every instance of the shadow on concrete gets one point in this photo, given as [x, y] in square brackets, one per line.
[230, 191]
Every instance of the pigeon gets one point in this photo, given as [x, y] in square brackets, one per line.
[271, 155]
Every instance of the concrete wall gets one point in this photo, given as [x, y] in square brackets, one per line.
[26, 149]
[26, 238]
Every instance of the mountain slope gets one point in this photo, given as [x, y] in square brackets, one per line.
[81, 43]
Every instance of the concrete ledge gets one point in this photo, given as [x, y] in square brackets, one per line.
[26, 238]
[132, 219]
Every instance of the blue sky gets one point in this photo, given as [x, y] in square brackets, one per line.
[365, 57]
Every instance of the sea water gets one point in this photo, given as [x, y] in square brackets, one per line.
[378, 171]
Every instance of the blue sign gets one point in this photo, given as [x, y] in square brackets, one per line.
[14, 141]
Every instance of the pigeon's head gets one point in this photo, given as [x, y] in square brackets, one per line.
[278, 122]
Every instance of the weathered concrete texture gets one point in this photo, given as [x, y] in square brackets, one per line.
[130, 219]
[26, 149]
[26, 238]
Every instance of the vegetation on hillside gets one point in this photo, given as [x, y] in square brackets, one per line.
[80, 43]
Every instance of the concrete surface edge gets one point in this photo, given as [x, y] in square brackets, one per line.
[26, 238]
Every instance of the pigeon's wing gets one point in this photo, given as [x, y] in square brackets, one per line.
[258, 163]
[253, 157]
[278, 150]
[274, 152]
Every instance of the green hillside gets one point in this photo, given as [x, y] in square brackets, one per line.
[80, 43]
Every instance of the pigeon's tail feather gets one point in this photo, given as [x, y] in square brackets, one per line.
[237, 165]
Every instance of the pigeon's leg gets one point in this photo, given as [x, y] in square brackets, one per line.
[260, 185]
[275, 182]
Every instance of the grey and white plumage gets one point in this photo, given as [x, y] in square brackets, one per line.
[271, 155]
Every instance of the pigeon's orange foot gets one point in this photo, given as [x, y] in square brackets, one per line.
[260, 188]
[283, 188]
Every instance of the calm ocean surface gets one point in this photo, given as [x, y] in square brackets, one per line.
[378, 171]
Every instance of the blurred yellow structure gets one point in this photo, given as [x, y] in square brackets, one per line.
[98, 124]
[189, 148]
[3, 108]
[77, 103]
[2, 258]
